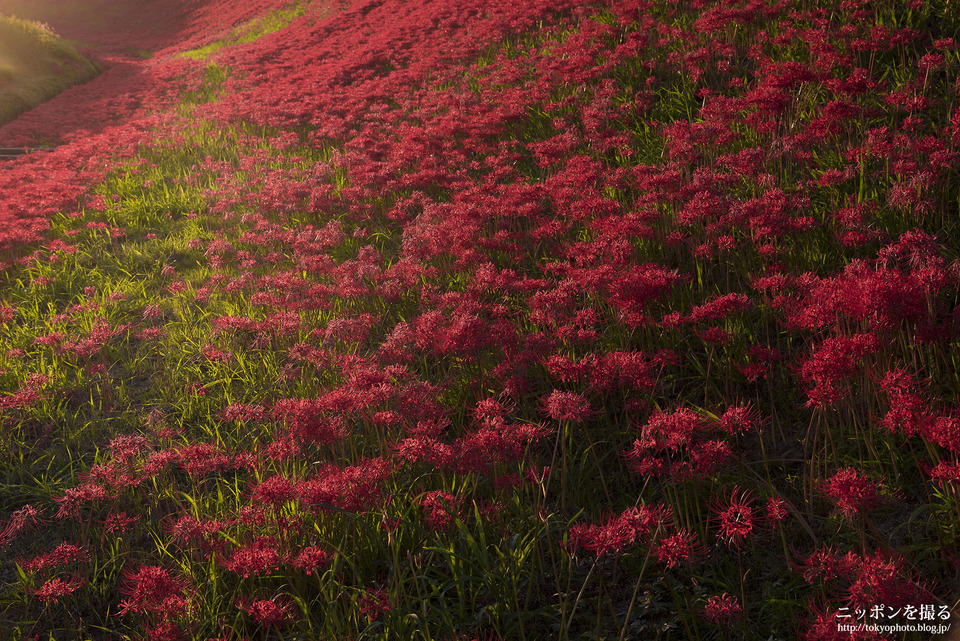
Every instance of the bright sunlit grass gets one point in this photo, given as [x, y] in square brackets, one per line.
[35, 65]
[251, 30]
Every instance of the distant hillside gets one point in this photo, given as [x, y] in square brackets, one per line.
[35, 65]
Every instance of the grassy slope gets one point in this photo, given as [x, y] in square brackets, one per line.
[35, 65]
[249, 31]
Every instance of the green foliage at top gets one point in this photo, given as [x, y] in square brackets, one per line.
[35, 65]
[250, 31]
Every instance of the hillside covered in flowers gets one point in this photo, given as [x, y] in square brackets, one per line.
[542, 319]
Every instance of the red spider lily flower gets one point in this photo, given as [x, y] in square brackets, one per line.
[632, 527]
[256, 558]
[282, 449]
[126, 447]
[158, 462]
[629, 369]
[152, 589]
[718, 308]
[944, 431]
[490, 411]
[668, 431]
[852, 492]
[568, 370]
[429, 428]
[385, 420]
[164, 631]
[52, 339]
[945, 472]
[243, 413]
[740, 419]
[275, 491]
[567, 406]
[267, 612]
[776, 511]
[714, 335]
[311, 558]
[73, 499]
[671, 320]
[440, 509]
[422, 449]
[735, 518]
[865, 580]
[723, 610]
[883, 578]
[373, 603]
[216, 355]
[476, 451]
[709, 456]
[908, 411]
[639, 285]
[61, 555]
[350, 330]
[832, 362]
[825, 628]
[679, 547]
[26, 396]
[202, 458]
[308, 420]
[355, 488]
[56, 588]
[23, 519]
[152, 312]
[253, 515]
[119, 522]
[642, 463]
[824, 564]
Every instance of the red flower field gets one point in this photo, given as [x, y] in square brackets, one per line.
[528, 320]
